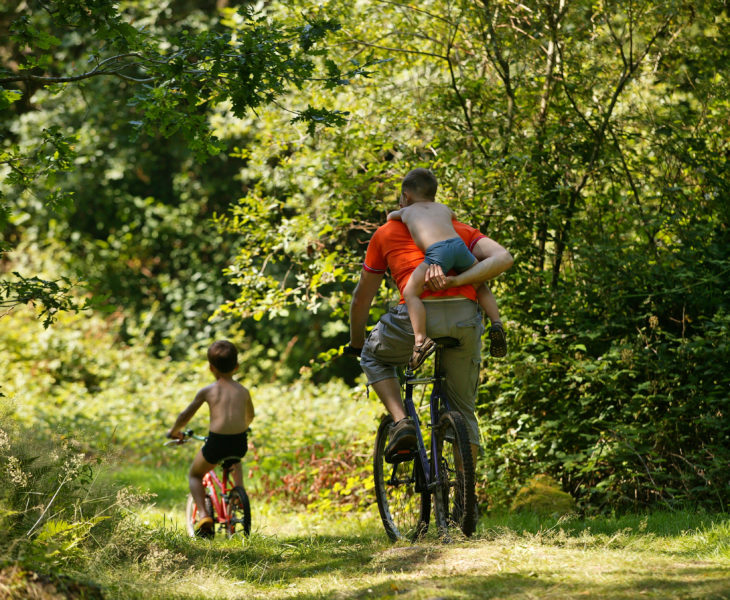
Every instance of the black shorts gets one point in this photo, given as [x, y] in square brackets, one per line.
[229, 448]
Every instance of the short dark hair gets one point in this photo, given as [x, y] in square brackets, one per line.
[421, 182]
[223, 356]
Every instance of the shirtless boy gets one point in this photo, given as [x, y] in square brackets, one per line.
[429, 224]
[231, 412]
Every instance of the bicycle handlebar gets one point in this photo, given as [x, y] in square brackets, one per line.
[187, 436]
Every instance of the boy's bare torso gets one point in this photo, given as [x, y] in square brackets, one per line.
[231, 409]
[428, 223]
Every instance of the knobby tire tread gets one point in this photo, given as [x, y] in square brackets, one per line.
[382, 471]
[238, 497]
[455, 500]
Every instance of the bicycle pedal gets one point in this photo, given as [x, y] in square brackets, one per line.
[401, 456]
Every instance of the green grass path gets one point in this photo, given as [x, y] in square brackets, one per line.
[301, 555]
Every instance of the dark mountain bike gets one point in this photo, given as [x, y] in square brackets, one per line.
[444, 473]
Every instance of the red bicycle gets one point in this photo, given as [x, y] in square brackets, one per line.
[227, 504]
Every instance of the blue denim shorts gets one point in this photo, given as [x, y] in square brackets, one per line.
[390, 345]
[450, 254]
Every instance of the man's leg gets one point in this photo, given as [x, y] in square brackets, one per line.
[460, 319]
[388, 390]
[390, 344]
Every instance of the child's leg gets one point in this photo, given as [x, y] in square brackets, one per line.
[416, 309]
[237, 473]
[488, 302]
[497, 339]
[198, 470]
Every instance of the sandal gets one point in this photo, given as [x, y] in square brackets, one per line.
[421, 352]
[204, 528]
[497, 341]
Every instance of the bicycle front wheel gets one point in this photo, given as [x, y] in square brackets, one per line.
[403, 502]
[239, 512]
[455, 496]
[191, 513]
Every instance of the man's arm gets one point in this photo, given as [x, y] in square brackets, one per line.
[187, 414]
[494, 259]
[362, 298]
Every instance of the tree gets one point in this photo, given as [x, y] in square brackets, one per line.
[589, 139]
[245, 61]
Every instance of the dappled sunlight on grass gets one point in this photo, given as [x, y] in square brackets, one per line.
[301, 555]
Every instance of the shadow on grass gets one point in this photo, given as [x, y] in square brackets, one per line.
[657, 523]
[282, 561]
[708, 583]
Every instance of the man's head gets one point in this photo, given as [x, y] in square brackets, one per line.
[418, 184]
[223, 356]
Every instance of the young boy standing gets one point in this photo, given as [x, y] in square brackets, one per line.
[429, 224]
[231, 413]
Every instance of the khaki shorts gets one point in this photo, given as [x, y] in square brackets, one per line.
[390, 345]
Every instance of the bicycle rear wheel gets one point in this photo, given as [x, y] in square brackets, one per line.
[191, 513]
[403, 502]
[239, 512]
[455, 497]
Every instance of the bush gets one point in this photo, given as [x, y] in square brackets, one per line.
[53, 508]
[639, 422]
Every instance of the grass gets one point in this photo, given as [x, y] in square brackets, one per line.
[324, 551]
[310, 555]
[299, 555]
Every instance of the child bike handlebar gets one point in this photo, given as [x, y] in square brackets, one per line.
[187, 436]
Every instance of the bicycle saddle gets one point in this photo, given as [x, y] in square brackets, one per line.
[446, 342]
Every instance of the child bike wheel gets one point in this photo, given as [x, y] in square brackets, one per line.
[403, 502]
[239, 512]
[455, 497]
[191, 513]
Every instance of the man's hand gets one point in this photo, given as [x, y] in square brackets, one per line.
[435, 279]
[352, 351]
[175, 435]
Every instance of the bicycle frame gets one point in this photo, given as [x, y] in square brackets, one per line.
[437, 404]
[219, 492]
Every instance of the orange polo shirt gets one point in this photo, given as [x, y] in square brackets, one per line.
[392, 247]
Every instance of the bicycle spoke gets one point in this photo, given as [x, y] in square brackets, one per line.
[405, 512]
[455, 496]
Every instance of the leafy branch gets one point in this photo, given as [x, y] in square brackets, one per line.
[50, 297]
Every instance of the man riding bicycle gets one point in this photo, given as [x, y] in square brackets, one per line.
[451, 310]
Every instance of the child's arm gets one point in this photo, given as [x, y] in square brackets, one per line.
[187, 414]
[249, 409]
[396, 215]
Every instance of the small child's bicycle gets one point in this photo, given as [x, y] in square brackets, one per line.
[404, 489]
[228, 505]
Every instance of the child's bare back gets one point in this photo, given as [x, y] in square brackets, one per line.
[231, 409]
[428, 222]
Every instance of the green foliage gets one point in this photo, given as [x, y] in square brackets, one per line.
[172, 75]
[590, 139]
[310, 445]
[50, 296]
[542, 495]
[571, 135]
[52, 508]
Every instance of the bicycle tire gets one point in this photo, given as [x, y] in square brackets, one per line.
[239, 512]
[404, 510]
[191, 513]
[455, 497]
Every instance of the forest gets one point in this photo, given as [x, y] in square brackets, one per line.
[179, 171]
